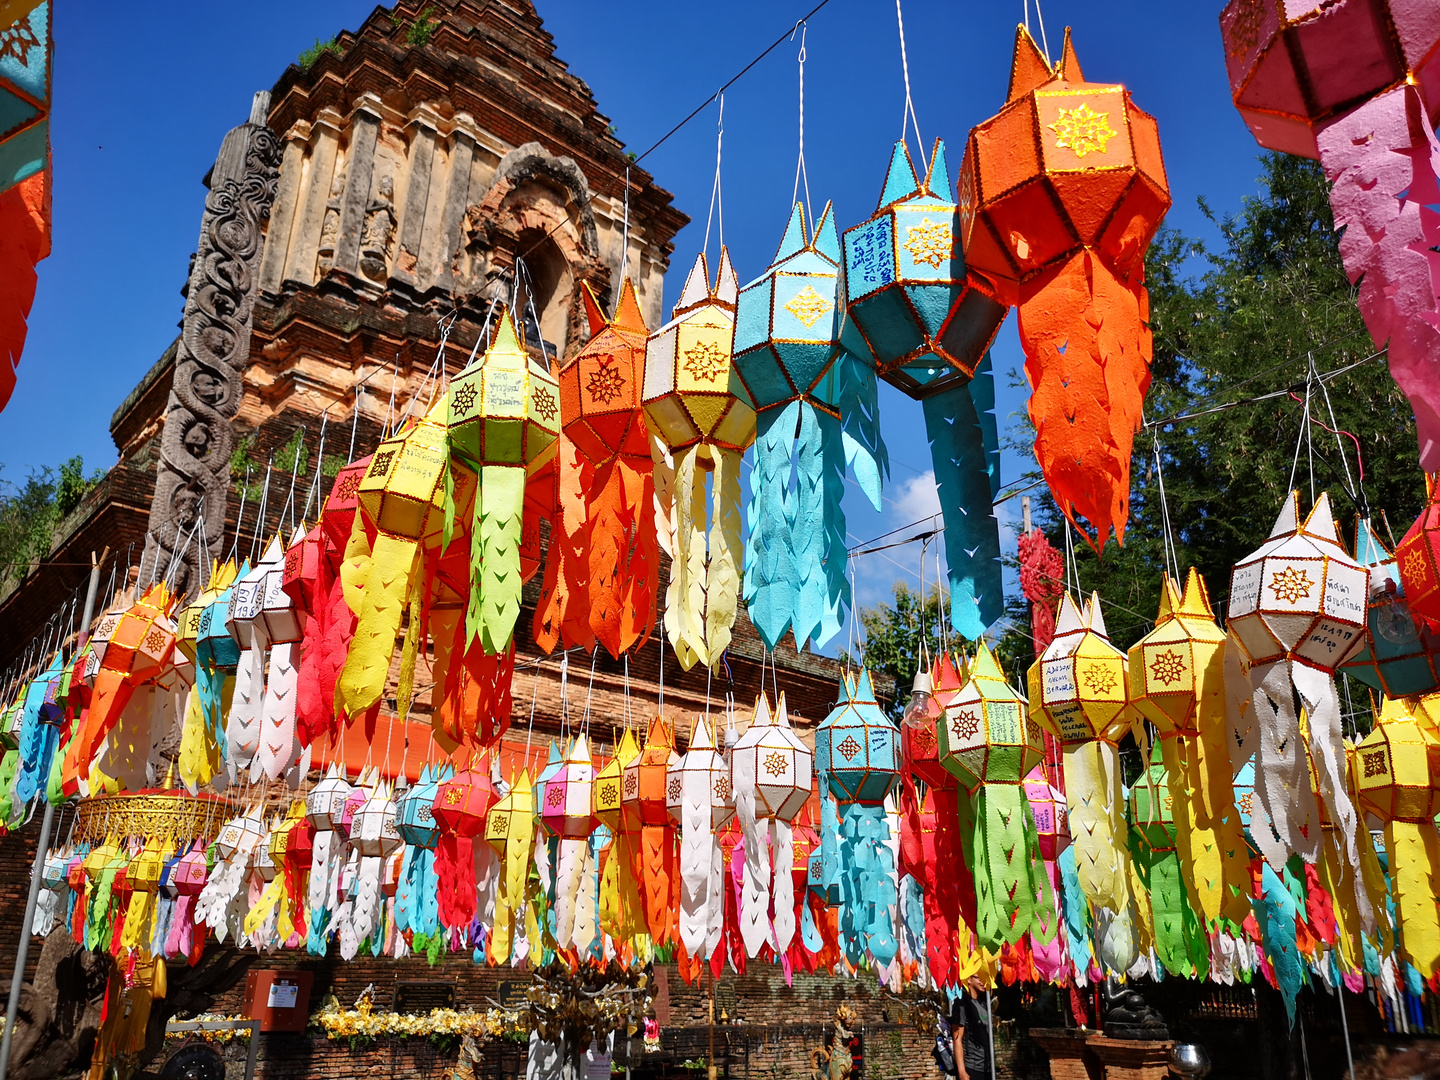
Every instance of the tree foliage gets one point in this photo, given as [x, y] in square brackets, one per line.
[30, 512]
[1248, 320]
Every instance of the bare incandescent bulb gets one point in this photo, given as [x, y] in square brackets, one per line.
[923, 710]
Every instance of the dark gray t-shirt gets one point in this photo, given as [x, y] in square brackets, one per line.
[972, 1016]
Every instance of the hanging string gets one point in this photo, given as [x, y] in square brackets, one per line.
[314, 492]
[1300, 440]
[800, 171]
[355, 421]
[660, 707]
[240, 520]
[920, 650]
[909, 119]
[944, 623]
[1167, 534]
[624, 245]
[1040, 16]
[716, 202]
[260, 515]
[385, 431]
[854, 618]
[289, 507]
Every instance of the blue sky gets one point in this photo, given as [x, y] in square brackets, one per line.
[143, 93]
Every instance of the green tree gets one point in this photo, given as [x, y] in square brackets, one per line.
[30, 512]
[1248, 320]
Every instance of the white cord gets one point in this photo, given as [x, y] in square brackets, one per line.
[800, 170]
[716, 202]
[624, 244]
[909, 118]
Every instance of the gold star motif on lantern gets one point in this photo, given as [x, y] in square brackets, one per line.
[775, 763]
[1246, 802]
[555, 795]
[705, 360]
[1099, 678]
[155, 641]
[545, 404]
[348, 487]
[930, 242]
[722, 788]
[1168, 667]
[965, 725]
[1291, 584]
[849, 747]
[1245, 30]
[1082, 130]
[808, 306]
[605, 385]
[608, 795]
[463, 399]
[1415, 563]
[452, 797]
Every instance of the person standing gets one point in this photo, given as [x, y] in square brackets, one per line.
[970, 1027]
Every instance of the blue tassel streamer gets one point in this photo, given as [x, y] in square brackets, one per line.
[1077, 912]
[1275, 912]
[967, 482]
[771, 577]
[35, 737]
[867, 887]
[857, 393]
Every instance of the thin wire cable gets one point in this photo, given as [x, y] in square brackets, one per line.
[624, 244]
[1167, 535]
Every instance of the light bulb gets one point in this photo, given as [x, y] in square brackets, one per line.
[1393, 620]
[923, 710]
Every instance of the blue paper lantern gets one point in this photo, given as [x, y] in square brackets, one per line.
[857, 747]
[808, 393]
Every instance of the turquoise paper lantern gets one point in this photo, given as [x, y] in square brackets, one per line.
[909, 302]
[857, 748]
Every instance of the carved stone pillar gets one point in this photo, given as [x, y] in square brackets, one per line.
[284, 211]
[193, 481]
[455, 201]
[417, 193]
[305, 236]
[359, 169]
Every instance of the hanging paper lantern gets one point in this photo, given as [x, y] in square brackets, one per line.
[857, 756]
[374, 834]
[277, 749]
[139, 648]
[504, 415]
[645, 800]
[1353, 85]
[1052, 831]
[238, 839]
[989, 744]
[1180, 940]
[1399, 654]
[1077, 693]
[325, 807]
[604, 560]
[1417, 559]
[1060, 194]
[416, 909]
[510, 831]
[1177, 682]
[702, 419]
[802, 383]
[1398, 773]
[203, 637]
[461, 805]
[247, 600]
[707, 803]
[772, 773]
[402, 496]
[928, 324]
[1297, 611]
[567, 813]
[1294, 68]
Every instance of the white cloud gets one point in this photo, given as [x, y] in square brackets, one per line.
[915, 499]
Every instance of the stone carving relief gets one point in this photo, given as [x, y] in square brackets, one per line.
[330, 225]
[193, 478]
[378, 238]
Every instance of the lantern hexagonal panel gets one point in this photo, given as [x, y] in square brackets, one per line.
[504, 409]
[610, 783]
[920, 741]
[1052, 819]
[1300, 596]
[325, 803]
[373, 832]
[1399, 652]
[986, 737]
[278, 610]
[417, 823]
[1397, 767]
[857, 747]
[1183, 658]
[1294, 65]
[566, 800]
[782, 766]
[338, 517]
[1418, 560]
[403, 490]
[247, 596]
[646, 778]
[144, 637]
[692, 392]
[462, 802]
[600, 386]
[908, 298]
[703, 766]
[1078, 686]
[787, 321]
[1065, 165]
